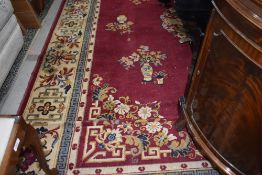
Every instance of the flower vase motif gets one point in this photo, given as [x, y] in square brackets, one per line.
[146, 57]
[147, 72]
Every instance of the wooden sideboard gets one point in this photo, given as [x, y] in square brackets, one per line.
[223, 107]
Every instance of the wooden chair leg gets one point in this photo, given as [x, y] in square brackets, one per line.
[33, 140]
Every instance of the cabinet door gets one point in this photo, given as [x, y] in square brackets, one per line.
[226, 103]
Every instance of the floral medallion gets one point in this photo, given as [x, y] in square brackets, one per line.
[146, 58]
[174, 25]
[121, 25]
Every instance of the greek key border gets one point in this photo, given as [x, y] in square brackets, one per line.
[70, 121]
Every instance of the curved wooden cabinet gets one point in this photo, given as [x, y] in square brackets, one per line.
[224, 105]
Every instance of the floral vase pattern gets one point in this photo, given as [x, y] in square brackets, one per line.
[146, 57]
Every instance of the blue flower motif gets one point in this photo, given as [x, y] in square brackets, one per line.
[67, 88]
[183, 152]
[101, 146]
[111, 136]
[107, 116]
[96, 93]
[41, 130]
[144, 139]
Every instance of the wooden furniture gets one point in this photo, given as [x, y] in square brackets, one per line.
[194, 11]
[223, 108]
[26, 12]
[194, 15]
[38, 5]
[15, 135]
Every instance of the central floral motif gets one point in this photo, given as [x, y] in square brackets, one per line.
[146, 57]
[136, 125]
[121, 25]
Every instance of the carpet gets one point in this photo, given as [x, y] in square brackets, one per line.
[103, 97]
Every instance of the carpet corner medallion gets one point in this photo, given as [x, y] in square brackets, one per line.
[102, 104]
